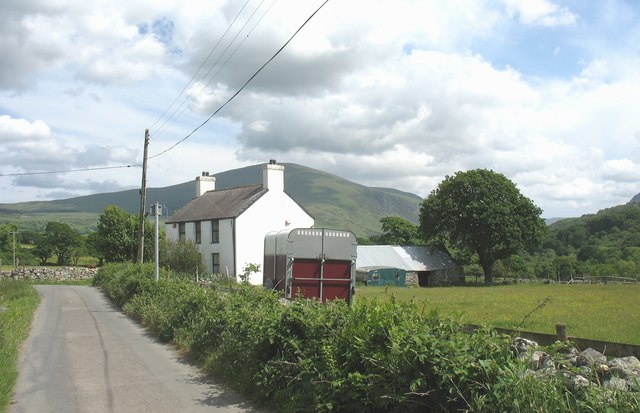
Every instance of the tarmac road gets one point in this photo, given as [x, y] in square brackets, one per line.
[83, 355]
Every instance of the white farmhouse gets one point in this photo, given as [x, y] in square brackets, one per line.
[229, 225]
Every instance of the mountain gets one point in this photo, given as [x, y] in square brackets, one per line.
[635, 199]
[334, 202]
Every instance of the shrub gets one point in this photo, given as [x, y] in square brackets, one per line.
[182, 256]
[372, 356]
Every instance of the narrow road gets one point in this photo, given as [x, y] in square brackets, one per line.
[83, 355]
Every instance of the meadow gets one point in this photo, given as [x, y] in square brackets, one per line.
[598, 312]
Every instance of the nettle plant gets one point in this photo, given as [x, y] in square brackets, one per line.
[247, 271]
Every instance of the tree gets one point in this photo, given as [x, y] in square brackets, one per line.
[398, 231]
[91, 245]
[7, 232]
[42, 250]
[60, 239]
[181, 256]
[118, 236]
[565, 267]
[482, 211]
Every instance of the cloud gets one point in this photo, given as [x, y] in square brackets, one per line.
[99, 43]
[540, 13]
[19, 131]
[31, 146]
[400, 95]
[621, 170]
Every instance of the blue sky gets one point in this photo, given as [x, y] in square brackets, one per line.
[393, 93]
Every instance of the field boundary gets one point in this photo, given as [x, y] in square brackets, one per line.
[607, 348]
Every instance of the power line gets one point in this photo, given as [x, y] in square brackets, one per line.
[213, 49]
[244, 85]
[70, 170]
[200, 89]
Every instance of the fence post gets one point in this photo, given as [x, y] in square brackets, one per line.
[561, 332]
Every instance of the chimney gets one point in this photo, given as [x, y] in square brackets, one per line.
[273, 176]
[205, 183]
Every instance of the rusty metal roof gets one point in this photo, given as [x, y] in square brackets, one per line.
[408, 258]
[220, 204]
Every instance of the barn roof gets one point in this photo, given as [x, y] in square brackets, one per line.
[219, 204]
[409, 258]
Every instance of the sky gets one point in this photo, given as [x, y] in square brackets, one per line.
[385, 93]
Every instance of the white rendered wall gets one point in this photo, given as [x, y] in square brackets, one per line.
[224, 247]
[206, 247]
[172, 231]
[272, 212]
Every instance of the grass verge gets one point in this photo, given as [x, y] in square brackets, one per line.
[18, 300]
[87, 282]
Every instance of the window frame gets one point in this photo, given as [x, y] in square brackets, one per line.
[182, 231]
[198, 231]
[215, 263]
[215, 231]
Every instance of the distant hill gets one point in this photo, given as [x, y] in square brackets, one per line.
[635, 199]
[333, 201]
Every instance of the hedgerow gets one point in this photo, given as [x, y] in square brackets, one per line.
[369, 357]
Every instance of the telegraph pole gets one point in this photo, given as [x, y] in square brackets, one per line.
[143, 196]
[14, 249]
[157, 211]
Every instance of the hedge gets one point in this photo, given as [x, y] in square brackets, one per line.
[369, 357]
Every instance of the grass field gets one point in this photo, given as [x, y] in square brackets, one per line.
[19, 300]
[599, 312]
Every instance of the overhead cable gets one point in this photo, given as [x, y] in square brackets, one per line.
[213, 49]
[100, 168]
[208, 79]
[244, 85]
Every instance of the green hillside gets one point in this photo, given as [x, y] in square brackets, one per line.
[333, 201]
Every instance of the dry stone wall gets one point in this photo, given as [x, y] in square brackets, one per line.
[581, 368]
[50, 273]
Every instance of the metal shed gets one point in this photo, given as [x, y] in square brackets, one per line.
[381, 276]
[311, 262]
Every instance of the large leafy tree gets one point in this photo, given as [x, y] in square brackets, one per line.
[117, 239]
[59, 239]
[42, 249]
[483, 212]
[398, 231]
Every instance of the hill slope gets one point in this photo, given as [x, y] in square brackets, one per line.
[333, 201]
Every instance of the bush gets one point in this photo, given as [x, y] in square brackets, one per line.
[182, 256]
[372, 356]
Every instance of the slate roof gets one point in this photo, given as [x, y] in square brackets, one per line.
[409, 258]
[219, 204]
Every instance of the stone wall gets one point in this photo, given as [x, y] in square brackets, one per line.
[50, 273]
[586, 368]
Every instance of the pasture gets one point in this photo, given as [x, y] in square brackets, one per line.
[599, 312]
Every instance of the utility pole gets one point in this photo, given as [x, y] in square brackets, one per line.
[143, 196]
[14, 249]
[157, 211]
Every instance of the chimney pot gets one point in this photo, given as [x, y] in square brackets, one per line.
[205, 183]
[273, 176]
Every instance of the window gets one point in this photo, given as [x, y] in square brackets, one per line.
[198, 233]
[215, 261]
[215, 232]
[181, 231]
